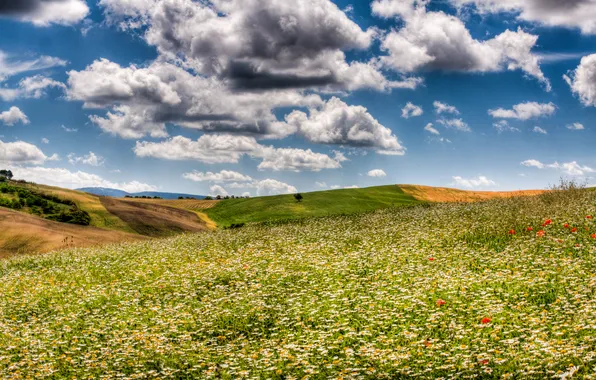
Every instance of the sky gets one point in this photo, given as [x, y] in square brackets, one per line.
[262, 97]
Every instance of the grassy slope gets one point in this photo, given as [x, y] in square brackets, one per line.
[321, 203]
[353, 297]
[100, 217]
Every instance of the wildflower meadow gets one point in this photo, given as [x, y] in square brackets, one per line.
[498, 289]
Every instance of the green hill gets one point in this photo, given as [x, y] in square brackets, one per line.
[320, 203]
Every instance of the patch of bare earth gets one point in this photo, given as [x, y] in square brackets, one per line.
[152, 219]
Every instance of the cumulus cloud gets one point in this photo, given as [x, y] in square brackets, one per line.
[13, 116]
[210, 149]
[411, 110]
[570, 168]
[503, 126]
[438, 41]
[266, 187]
[143, 100]
[90, 159]
[20, 152]
[222, 176]
[579, 14]
[297, 160]
[582, 80]
[429, 128]
[32, 87]
[540, 130]
[257, 44]
[73, 180]
[524, 111]
[214, 149]
[480, 181]
[576, 127]
[379, 173]
[45, 12]
[9, 65]
[456, 124]
[444, 108]
[340, 124]
[216, 190]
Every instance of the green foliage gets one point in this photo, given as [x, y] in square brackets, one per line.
[6, 174]
[45, 205]
[352, 296]
[322, 203]
[298, 197]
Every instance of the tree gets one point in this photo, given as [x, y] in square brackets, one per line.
[6, 174]
[208, 198]
[298, 197]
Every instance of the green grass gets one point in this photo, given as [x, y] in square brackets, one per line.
[320, 203]
[443, 291]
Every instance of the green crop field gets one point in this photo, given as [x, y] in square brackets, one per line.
[500, 289]
[321, 203]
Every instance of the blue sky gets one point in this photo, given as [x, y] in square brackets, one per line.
[265, 97]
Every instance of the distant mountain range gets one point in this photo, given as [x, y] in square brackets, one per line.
[107, 192]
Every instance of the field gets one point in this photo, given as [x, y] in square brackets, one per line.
[321, 203]
[496, 289]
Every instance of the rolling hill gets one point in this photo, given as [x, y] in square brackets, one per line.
[113, 219]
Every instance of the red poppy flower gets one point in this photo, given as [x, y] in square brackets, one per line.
[485, 320]
[530, 229]
[589, 217]
[484, 362]
[566, 225]
[593, 236]
[574, 230]
[511, 232]
[560, 241]
[440, 302]
[548, 221]
[431, 259]
[540, 233]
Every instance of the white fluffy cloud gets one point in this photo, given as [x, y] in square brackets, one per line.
[456, 124]
[20, 152]
[379, 173]
[411, 110]
[583, 80]
[45, 12]
[438, 41]
[213, 149]
[216, 190]
[31, 87]
[444, 108]
[210, 149]
[222, 176]
[257, 44]
[297, 160]
[266, 187]
[65, 178]
[145, 99]
[540, 130]
[570, 168]
[90, 159]
[565, 13]
[576, 127]
[341, 124]
[429, 128]
[13, 116]
[524, 111]
[10, 65]
[480, 181]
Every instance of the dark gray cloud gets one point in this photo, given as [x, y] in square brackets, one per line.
[45, 12]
